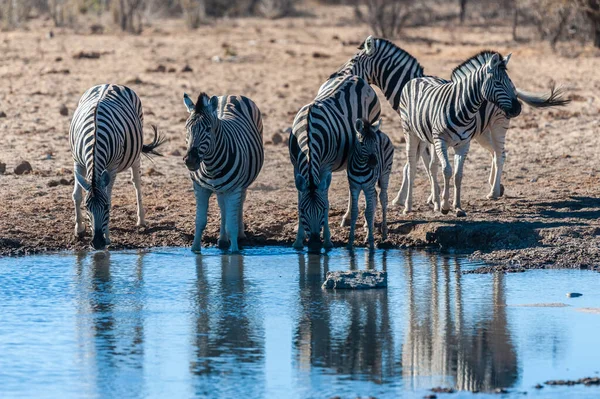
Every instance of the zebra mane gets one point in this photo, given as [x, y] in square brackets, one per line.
[473, 63]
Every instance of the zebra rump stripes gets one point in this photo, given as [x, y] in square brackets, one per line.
[224, 155]
[369, 163]
[106, 138]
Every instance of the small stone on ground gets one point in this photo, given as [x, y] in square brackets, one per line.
[23, 168]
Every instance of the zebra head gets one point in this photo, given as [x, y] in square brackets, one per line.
[97, 204]
[200, 128]
[498, 88]
[366, 146]
[313, 207]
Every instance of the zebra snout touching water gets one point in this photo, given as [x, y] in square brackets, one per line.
[445, 114]
[106, 138]
[369, 163]
[224, 156]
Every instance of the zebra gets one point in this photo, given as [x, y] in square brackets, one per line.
[445, 114]
[387, 66]
[369, 163]
[106, 138]
[320, 142]
[224, 156]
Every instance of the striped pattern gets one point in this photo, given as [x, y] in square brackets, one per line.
[321, 140]
[370, 163]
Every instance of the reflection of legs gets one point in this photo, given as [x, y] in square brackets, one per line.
[354, 192]
[232, 209]
[433, 174]
[371, 199]
[109, 194]
[412, 151]
[441, 150]
[77, 197]
[326, 233]
[241, 233]
[223, 242]
[460, 154]
[346, 218]
[137, 184]
[383, 198]
[202, 197]
[299, 243]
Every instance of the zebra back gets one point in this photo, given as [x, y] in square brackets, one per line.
[106, 132]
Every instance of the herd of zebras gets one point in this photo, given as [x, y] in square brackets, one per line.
[339, 129]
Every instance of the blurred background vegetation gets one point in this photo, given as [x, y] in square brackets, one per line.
[550, 20]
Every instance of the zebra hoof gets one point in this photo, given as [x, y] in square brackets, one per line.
[196, 250]
[460, 213]
[299, 245]
[327, 244]
[223, 244]
[445, 211]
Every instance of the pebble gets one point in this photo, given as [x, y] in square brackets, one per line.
[187, 68]
[64, 111]
[23, 168]
[276, 138]
[2, 168]
[355, 279]
[574, 294]
[2, 114]
[538, 386]
[175, 153]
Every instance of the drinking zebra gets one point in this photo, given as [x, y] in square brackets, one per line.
[106, 138]
[369, 163]
[224, 155]
[389, 67]
[321, 140]
[445, 114]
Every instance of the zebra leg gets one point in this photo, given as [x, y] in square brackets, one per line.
[412, 151]
[460, 154]
[426, 160]
[223, 242]
[433, 174]
[77, 197]
[202, 197]
[232, 209]
[498, 139]
[346, 218]
[371, 200]
[299, 243]
[241, 233]
[354, 193]
[136, 179]
[383, 198]
[401, 197]
[441, 150]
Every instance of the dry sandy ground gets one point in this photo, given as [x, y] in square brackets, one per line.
[548, 216]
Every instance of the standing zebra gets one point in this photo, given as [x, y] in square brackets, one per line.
[369, 163]
[390, 68]
[445, 114]
[106, 138]
[224, 155]
[321, 140]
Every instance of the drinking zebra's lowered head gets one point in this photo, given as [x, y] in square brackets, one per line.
[224, 156]
[106, 138]
[369, 163]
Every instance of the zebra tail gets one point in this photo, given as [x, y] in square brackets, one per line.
[556, 98]
[150, 149]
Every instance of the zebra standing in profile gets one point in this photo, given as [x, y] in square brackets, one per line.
[321, 140]
[390, 68]
[369, 163]
[445, 114]
[106, 138]
[224, 155]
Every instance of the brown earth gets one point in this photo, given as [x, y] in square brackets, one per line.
[547, 218]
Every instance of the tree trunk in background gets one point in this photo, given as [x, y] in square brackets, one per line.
[593, 14]
[515, 20]
[463, 10]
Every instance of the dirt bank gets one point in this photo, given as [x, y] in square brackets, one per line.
[547, 218]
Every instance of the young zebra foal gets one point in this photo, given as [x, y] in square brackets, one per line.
[106, 138]
[224, 155]
[369, 163]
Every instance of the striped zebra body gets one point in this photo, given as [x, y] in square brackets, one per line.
[106, 138]
[321, 140]
[369, 163]
[446, 114]
[225, 155]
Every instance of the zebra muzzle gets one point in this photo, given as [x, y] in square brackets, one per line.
[98, 241]
[192, 160]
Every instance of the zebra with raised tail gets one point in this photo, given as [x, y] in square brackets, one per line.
[224, 156]
[387, 66]
[369, 163]
[445, 115]
[321, 140]
[106, 138]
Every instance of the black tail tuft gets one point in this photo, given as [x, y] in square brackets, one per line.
[150, 149]
[556, 98]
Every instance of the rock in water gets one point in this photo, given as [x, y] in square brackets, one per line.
[355, 280]
[574, 294]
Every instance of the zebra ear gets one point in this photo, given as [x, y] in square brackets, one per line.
[325, 182]
[214, 103]
[82, 182]
[376, 126]
[359, 126]
[301, 184]
[493, 62]
[507, 58]
[189, 104]
[104, 179]
[370, 45]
